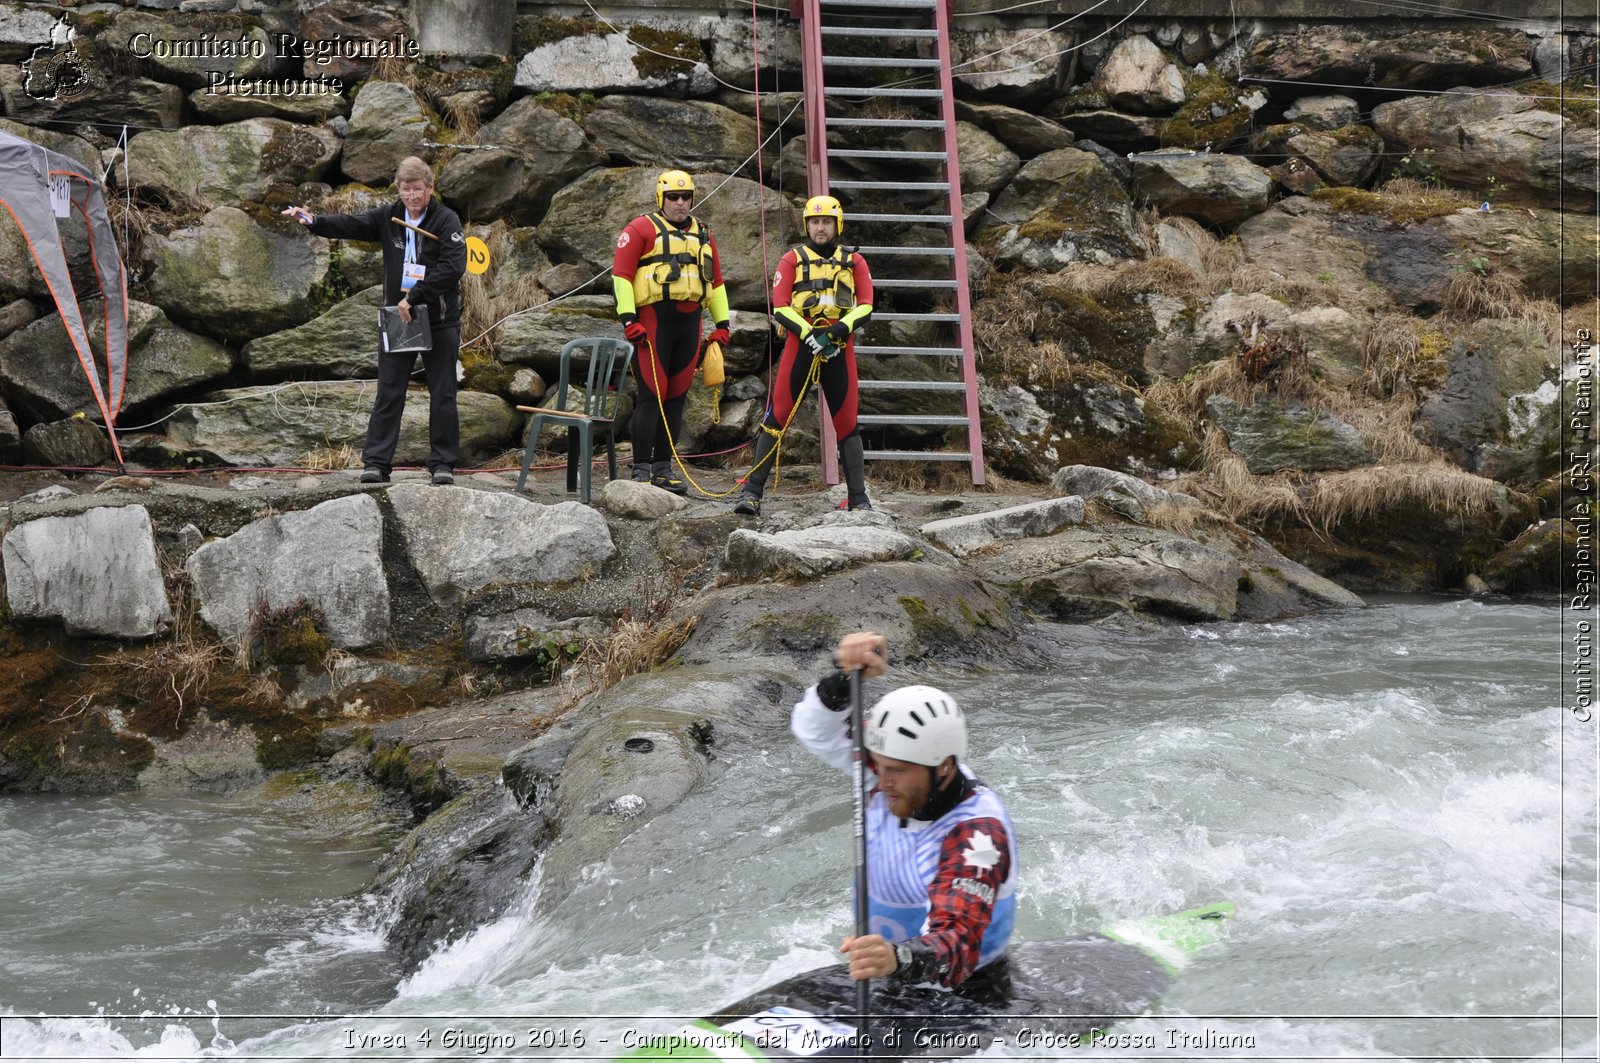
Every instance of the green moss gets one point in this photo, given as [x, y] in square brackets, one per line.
[664, 53]
[334, 287]
[538, 31]
[929, 627]
[1195, 125]
[484, 372]
[1573, 99]
[573, 107]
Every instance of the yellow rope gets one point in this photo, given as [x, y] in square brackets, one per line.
[812, 375]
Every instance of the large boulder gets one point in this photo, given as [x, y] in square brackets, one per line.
[95, 573]
[1498, 145]
[664, 133]
[328, 557]
[1010, 65]
[642, 60]
[199, 167]
[1425, 57]
[168, 46]
[1062, 207]
[535, 338]
[1212, 189]
[387, 123]
[234, 279]
[1138, 76]
[969, 533]
[23, 28]
[341, 343]
[1022, 132]
[1347, 156]
[139, 103]
[461, 541]
[986, 164]
[586, 216]
[70, 443]
[739, 47]
[1273, 436]
[281, 424]
[535, 153]
[40, 372]
[841, 541]
[1488, 364]
[326, 24]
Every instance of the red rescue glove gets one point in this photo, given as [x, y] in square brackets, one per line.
[719, 335]
[635, 332]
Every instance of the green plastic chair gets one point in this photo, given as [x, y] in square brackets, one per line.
[608, 363]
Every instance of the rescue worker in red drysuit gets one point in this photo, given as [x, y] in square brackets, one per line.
[666, 268]
[821, 293]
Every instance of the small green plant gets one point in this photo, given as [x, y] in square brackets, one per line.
[1419, 166]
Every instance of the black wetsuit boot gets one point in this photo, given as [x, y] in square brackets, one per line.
[853, 463]
[749, 500]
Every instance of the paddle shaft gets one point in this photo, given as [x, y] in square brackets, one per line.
[858, 730]
[414, 228]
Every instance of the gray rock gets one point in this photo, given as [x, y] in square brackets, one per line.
[1489, 363]
[40, 372]
[10, 438]
[95, 573]
[1138, 76]
[845, 540]
[656, 132]
[1063, 207]
[1497, 145]
[310, 108]
[611, 62]
[157, 40]
[586, 216]
[387, 123]
[75, 442]
[1272, 436]
[231, 278]
[968, 534]
[986, 164]
[536, 152]
[1010, 65]
[199, 167]
[640, 501]
[535, 338]
[1213, 189]
[352, 20]
[738, 47]
[341, 344]
[1333, 340]
[1233, 322]
[465, 27]
[461, 541]
[212, 757]
[1423, 57]
[329, 557]
[525, 634]
[1025, 133]
[281, 424]
[1092, 482]
[1323, 112]
[1345, 157]
[24, 27]
[139, 103]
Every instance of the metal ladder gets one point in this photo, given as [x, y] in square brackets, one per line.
[924, 182]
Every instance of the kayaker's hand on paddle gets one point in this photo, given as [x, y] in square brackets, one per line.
[870, 957]
[866, 650]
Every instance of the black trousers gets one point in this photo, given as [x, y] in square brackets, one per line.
[394, 376]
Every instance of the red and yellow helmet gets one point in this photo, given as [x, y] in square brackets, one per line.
[825, 207]
[672, 181]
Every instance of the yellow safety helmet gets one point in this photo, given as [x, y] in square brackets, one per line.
[826, 207]
[672, 181]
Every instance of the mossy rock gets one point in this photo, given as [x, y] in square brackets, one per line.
[1194, 125]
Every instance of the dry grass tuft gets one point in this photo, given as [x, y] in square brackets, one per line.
[1361, 494]
[634, 646]
[944, 477]
[331, 456]
[1471, 295]
[488, 298]
[1165, 275]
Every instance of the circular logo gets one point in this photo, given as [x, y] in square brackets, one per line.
[477, 255]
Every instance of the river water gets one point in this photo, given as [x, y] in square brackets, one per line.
[1396, 798]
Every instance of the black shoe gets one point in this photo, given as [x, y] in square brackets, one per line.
[854, 506]
[374, 475]
[443, 477]
[669, 481]
[641, 474]
[747, 504]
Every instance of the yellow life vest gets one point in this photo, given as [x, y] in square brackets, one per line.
[677, 266]
[824, 286]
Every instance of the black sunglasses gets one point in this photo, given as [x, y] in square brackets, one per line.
[677, 197]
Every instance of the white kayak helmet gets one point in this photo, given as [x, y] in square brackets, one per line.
[920, 725]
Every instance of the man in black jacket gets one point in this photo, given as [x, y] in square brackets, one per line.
[424, 255]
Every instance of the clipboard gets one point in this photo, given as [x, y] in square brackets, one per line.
[397, 337]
